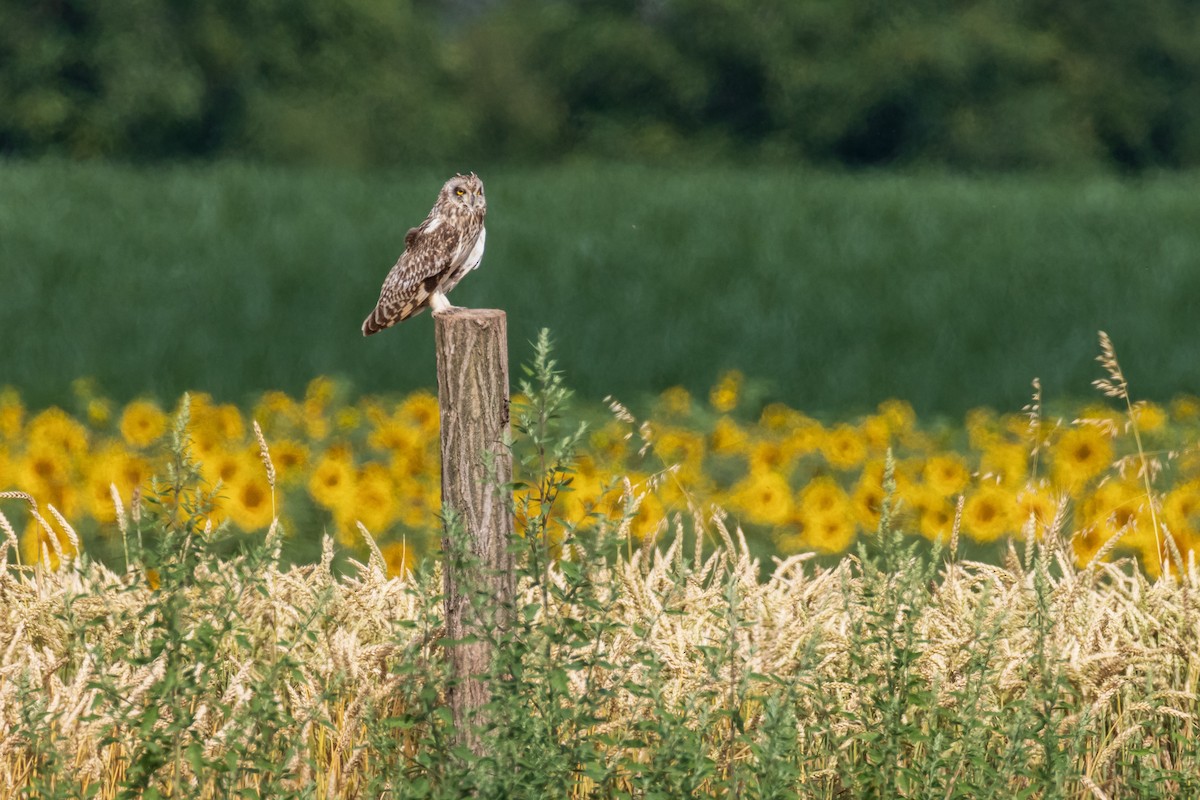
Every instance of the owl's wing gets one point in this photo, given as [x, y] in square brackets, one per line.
[431, 249]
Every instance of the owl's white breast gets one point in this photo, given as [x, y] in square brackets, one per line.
[476, 254]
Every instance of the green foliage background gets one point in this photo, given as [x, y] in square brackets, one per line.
[987, 83]
[833, 292]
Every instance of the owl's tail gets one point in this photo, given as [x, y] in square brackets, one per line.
[377, 320]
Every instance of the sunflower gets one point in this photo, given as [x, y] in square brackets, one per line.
[1183, 409]
[1085, 543]
[981, 425]
[374, 498]
[1150, 417]
[823, 499]
[1181, 509]
[420, 410]
[867, 499]
[676, 402]
[988, 513]
[1120, 508]
[877, 433]
[728, 437]
[937, 520]
[248, 502]
[679, 446]
[1036, 508]
[42, 469]
[276, 409]
[1079, 455]
[347, 419]
[610, 442]
[112, 466]
[331, 483]
[945, 474]
[832, 534]
[392, 436]
[142, 423]
[844, 447]
[764, 497]
[420, 502]
[56, 431]
[649, 518]
[805, 437]
[228, 467]
[899, 415]
[769, 456]
[780, 417]
[290, 459]
[1006, 462]
[319, 392]
[924, 511]
[724, 396]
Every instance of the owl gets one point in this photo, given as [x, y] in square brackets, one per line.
[437, 254]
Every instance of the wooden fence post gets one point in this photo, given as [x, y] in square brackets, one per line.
[472, 368]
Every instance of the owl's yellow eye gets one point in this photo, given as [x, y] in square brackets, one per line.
[460, 192]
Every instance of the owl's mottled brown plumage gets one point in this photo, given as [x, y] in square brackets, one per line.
[437, 254]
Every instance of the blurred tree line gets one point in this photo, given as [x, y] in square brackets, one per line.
[973, 83]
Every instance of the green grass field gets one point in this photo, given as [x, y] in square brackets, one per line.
[836, 291]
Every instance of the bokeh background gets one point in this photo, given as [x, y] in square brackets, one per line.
[848, 201]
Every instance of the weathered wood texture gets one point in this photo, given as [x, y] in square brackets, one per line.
[472, 367]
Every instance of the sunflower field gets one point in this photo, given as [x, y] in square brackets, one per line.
[1117, 472]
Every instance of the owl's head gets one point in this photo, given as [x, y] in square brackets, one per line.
[465, 191]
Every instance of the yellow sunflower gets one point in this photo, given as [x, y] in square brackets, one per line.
[946, 474]
[1036, 509]
[724, 396]
[899, 415]
[676, 401]
[877, 433]
[248, 502]
[142, 423]
[1079, 455]
[1119, 508]
[805, 436]
[679, 446]
[1181, 509]
[649, 518]
[831, 534]
[769, 456]
[1005, 462]
[923, 510]
[764, 497]
[1185, 408]
[822, 499]
[1150, 417]
[112, 465]
[374, 498]
[420, 410]
[290, 459]
[728, 437]
[56, 431]
[867, 498]
[989, 513]
[331, 483]
[844, 447]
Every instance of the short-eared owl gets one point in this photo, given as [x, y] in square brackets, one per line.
[437, 254]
